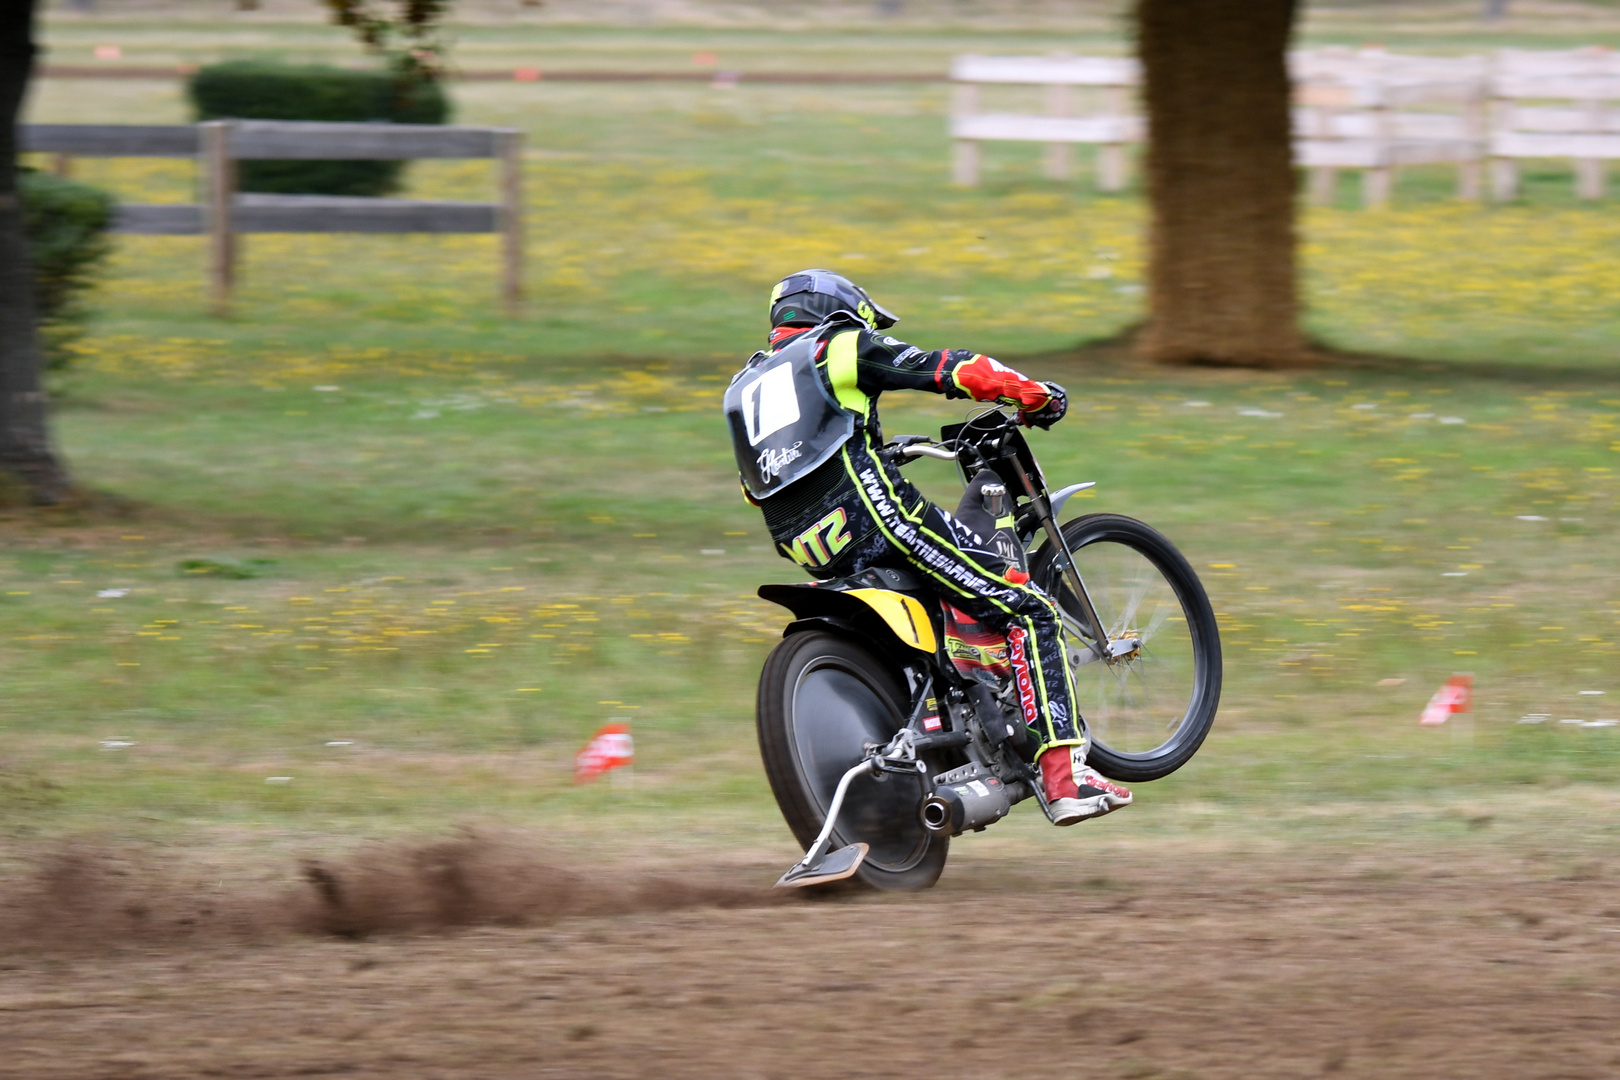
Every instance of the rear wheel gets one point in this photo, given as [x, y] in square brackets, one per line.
[820, 698]
[1149, 710]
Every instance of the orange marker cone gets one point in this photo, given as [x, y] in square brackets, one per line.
[610, 748]
[1454, 697]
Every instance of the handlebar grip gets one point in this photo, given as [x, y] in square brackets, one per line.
[920, 450]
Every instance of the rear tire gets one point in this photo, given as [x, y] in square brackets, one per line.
[820, 697]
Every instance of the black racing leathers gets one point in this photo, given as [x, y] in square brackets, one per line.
[854, 511]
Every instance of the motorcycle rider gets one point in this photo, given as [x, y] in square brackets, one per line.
[806, 434]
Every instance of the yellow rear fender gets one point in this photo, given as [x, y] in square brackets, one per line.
[903, 614]
[904, 617]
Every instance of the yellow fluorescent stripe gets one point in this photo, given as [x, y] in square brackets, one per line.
[842, 372]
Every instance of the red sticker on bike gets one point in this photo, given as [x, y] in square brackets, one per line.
[1020, 666]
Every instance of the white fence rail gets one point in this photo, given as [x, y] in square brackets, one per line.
[1111, 126]
[1374, 111]
[1365, 110]
[227, 213]
[1583, 126]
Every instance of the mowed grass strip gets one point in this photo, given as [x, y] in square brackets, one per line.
[416, 595]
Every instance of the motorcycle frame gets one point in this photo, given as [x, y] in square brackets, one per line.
[1013, 451]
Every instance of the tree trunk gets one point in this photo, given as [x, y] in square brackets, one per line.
[25, 439]
[1220, 179]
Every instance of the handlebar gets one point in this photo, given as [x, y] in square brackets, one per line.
[988, 425]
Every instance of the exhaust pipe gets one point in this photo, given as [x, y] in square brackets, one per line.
[937, 813]
[966, 805]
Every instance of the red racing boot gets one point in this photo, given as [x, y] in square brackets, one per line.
[1074, 791]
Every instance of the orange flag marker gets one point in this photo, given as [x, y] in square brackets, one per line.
[608, 749]
[1456, 696]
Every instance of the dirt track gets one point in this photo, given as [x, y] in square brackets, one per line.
[1247, 966]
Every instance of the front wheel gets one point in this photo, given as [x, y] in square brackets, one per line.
[1149, 710]
[821, 697]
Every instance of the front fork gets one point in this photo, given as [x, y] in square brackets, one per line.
[1043, 514]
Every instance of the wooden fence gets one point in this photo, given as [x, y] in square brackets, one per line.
[1573, 117]
[1375, 111]
[1109, 125]
[1365, 110]
[226, 213]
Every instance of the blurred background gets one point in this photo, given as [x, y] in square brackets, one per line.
[361, 559]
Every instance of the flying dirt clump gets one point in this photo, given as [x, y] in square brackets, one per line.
[475, 880]
[88, 897]
[85, 897]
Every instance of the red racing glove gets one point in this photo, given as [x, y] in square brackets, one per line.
[1049, 413]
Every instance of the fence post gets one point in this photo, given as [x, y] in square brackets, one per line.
[1378, 181]
[965, 152]
[1504, 170]
[1111, 156]
[511, 153]
[1589, 171]
[1504, 179]
[1319, 127]
[220, 172]
[1324, 183]
[1468, 172]
[1589, 178]
[1057, 154]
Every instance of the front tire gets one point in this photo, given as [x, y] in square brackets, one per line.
[1147, 714]
[820, 697]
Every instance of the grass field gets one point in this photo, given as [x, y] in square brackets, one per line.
[367, 562]
[403, 555]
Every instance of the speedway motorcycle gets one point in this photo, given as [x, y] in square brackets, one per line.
[889, 721]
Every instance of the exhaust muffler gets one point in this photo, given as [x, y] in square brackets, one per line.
[963, 804]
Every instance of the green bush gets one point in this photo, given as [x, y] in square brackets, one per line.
[255, 90]
[67, 226]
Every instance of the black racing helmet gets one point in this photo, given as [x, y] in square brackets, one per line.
[810, 297]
